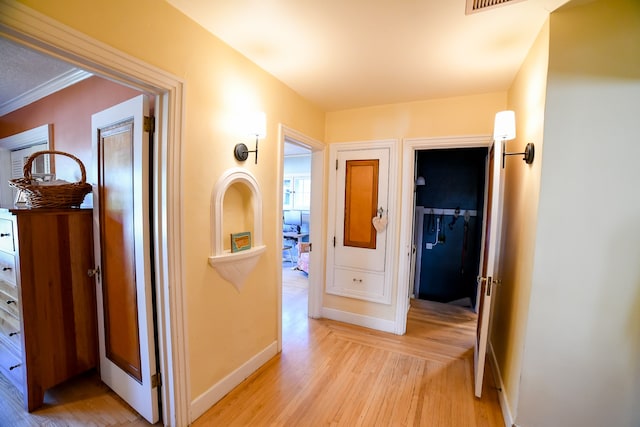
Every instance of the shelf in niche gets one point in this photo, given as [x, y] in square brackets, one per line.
[235, 267]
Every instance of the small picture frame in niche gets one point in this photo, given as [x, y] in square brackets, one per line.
[240, 241]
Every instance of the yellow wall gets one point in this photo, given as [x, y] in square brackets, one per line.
[464, 115]
[225, 327]
[520, 208]
[581, 365]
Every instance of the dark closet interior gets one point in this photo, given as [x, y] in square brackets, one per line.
[449, 208]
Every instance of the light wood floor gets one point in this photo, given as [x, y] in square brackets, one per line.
[82, 401]
[335, 374]
[328, 373]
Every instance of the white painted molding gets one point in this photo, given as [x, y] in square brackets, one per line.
[209, 398]
[41, 134]
[409, 147]
[359, 319]
[235, 267]
[60, 82]
[502, 396]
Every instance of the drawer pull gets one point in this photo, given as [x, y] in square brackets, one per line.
[5, 234]
[11, 368]
[14, 333]
[357, 280]
[6, 268]
[11, 301]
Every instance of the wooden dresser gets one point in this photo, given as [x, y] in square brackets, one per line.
[48, 326]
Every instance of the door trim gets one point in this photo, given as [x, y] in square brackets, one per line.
[409, 148]
[28, 27]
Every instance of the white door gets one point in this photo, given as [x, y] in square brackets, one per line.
[358, 251]
[122, 251]
[487, 279]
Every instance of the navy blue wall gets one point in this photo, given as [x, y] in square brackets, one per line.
[454, 178]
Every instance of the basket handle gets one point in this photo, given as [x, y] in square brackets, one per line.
[26, 169]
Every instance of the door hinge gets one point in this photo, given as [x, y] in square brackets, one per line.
[336, 164]
[149, 124]
[310, 247]
[334, 241]
[95, 272]
[156, 380]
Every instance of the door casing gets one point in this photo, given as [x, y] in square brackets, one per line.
[30, 28]
[409, 148]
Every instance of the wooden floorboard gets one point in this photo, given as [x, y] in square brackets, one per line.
[334, 374]
[81, 401]
[328, 374]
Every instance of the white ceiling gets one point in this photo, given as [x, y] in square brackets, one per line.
[26, 76]
[340, 53]
[352, 53]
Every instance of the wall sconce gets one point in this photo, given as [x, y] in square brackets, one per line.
[256, 126]
[504, 129]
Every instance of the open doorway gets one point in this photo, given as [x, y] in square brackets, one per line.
[113, 65]
[448, 220]
[296, 217]
[310, 272]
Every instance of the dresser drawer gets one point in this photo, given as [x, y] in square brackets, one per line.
[10, 289]
[6, 235]
[359, 284]
[11, 366]
[8, 300]
[8, 268]
[10, 331]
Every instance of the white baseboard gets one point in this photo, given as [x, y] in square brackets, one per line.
[209, 398]
[359, 319]
[502, 395]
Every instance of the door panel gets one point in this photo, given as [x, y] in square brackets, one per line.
[365, 189]
[361, 203]
[121, 223]
[486, 280]
[122, 344]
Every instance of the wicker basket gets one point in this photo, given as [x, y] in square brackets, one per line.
[52, 196]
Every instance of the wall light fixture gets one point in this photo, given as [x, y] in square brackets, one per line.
[504, 129]
[256, 126]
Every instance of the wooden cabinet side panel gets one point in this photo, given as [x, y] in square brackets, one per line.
[58, 298]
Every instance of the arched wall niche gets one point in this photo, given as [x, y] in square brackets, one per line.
[243, 190]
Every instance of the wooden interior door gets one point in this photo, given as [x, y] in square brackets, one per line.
[121, 222]
[487, 280]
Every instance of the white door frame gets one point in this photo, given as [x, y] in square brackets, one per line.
[409, 148]
[316, 227]
[28, 27]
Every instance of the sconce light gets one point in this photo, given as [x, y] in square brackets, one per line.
[420, 181]
[257, 126]
[504, 129]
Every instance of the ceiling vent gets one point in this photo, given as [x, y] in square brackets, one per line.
[474, 6]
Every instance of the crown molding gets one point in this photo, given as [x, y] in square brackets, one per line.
[54, 85]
